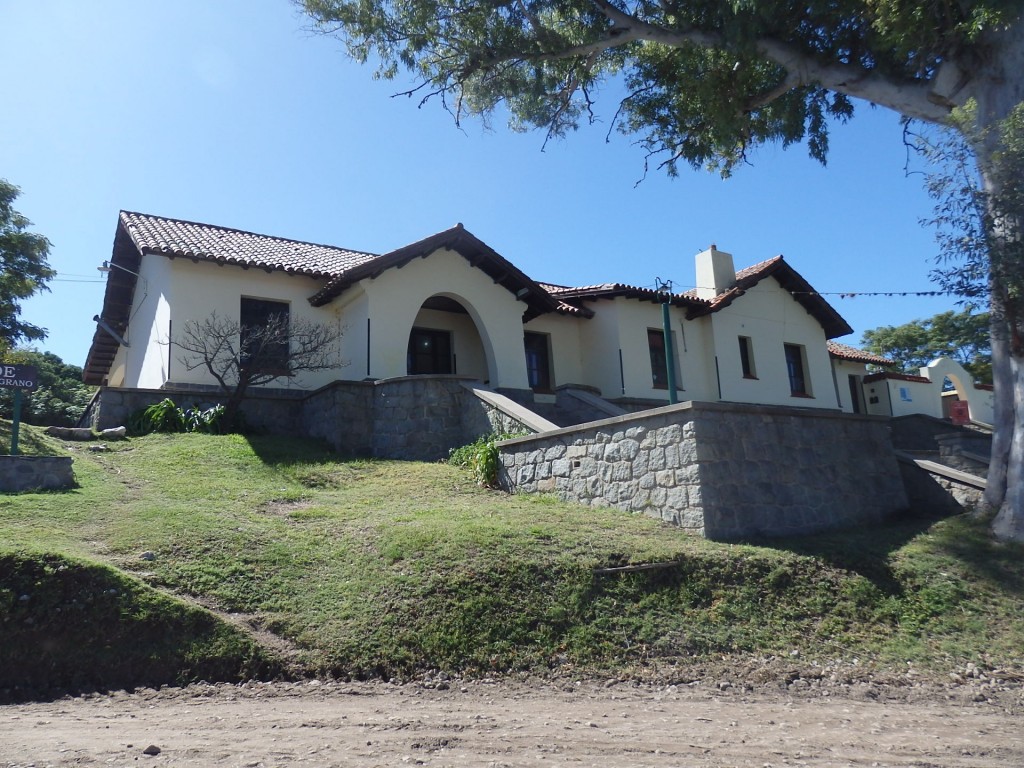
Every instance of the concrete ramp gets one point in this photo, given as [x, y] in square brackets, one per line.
[581, 406]
[510, 408]
[932, 486]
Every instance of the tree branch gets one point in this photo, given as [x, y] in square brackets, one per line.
[913, 98]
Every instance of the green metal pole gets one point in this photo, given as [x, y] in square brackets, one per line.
[15, 422]
[670, 357]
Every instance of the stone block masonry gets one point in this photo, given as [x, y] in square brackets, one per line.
[35, 473]
[416, 418]
[725, 471]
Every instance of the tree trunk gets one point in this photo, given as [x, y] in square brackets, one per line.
[1009, 521]
[997, 93]
[1003, 417]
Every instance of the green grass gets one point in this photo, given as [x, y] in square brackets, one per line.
[31, 441]
[387, 568]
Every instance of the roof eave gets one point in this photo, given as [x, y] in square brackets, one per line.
[793, 282]
[125, 261]
[457, 239]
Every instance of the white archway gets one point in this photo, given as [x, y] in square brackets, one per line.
[447, 336]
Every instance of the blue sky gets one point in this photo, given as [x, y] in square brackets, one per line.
[234, 113]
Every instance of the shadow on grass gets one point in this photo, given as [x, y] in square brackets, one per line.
[288, 451]
[868, 552]
[864, 551]
[971, 542]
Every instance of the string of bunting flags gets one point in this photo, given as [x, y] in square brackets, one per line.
[855, 294]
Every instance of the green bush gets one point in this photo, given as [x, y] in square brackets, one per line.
[165, 416]
[481, 456]
[207, 420]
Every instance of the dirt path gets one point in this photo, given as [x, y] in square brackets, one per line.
[511, 724]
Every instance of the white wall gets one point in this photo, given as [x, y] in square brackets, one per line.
[842, 370]
[565, 345]
[396, 297]
[980, 401]
[177, 291]
[147, 359]
[353, 309]
[900, 397]
[599, 347]
[771, 318]
[635, 319]
[376, 317]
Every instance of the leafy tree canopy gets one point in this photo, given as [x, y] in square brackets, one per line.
[24, 269]
[61, 397]
[704, 80]
[962, 336]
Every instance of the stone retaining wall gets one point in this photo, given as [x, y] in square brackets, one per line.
[35, 473]
[411, 417]
[275, 411]
[937, 494]
[959, 450]
[341, 414]
[726, 471]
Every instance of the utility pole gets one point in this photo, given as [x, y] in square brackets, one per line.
[665, 288]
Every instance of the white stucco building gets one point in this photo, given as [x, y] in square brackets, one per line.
[449, 304]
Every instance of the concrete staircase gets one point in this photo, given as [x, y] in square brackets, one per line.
[943, 465]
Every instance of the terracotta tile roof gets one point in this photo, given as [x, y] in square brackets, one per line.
[882, 375]
[203, 242]
[846, 352]
[462, 241]
[831, 321]
[613, 290]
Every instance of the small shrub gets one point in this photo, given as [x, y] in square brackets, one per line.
[207, 420]
[481, 457]
[165, 416]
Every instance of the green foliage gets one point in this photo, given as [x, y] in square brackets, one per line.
[164, 416]
[481, 457]
[68, 624]
[962, 336]
[167, 417]
[24, 270]
[979, 226]
[31, 441]
[705, 81]
[61, 398]
[209, 420]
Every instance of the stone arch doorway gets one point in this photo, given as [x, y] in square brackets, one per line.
[445, 338]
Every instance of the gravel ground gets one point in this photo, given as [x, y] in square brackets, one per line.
[764, 714]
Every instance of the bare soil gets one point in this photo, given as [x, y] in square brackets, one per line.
[438, 721]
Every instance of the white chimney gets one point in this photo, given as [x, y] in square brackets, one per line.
[715, 273]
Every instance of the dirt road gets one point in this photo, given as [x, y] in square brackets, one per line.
[506, 723]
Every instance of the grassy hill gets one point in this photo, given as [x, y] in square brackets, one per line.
[389, 568]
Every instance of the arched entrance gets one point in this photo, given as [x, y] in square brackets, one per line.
[954, 383]
[444, 339]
